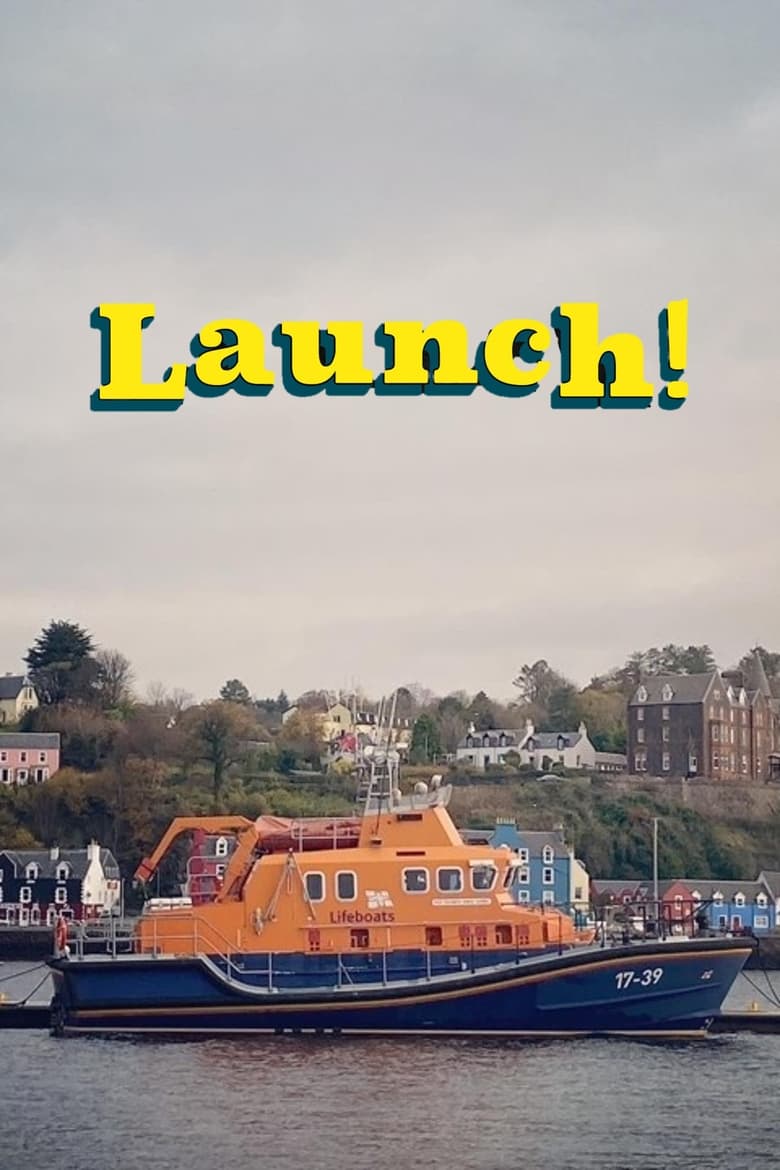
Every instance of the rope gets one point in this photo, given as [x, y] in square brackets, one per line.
[19, 974]
[37, 986]
[773, 999]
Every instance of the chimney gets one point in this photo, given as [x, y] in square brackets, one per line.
[93, 851]
[54, 853]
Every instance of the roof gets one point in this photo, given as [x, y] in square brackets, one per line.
[10, 685]
[685, 688]
[512, 738]
[771, 879]
[755, 675]
[77, 859]
[549, 739]
[707, 888]
[29, 739]
[611, 758]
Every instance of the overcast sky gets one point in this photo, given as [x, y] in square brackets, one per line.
[370, 161]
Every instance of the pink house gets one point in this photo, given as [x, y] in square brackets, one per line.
[28, 757]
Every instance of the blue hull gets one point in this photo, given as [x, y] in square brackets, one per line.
[663, 989]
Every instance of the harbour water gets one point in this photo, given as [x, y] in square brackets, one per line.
[461, 1105]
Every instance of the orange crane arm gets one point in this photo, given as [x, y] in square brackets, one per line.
[226, 824]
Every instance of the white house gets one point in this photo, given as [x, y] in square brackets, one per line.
[540, 749]
[17, 697]
[571, 749]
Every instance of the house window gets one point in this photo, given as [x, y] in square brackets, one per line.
[744, 764]
[712, 711]
[221, 847]
[524, 895]
[3, 757]
[739, 899]
[666, 693]
[666, 762]
[641, 695]
[346, 886]
[41, 757]
[640, 735]
[716, 761]
[665, 734]
[548, 897]
[449, 880]
[640, 714]
[548, 855]
[31, 872]
[415, 881]
[548, 875]
[25, 895]
[522, 856]
[523, 875]
[717, 898]
[640, 761]
[61, 895]
[63, 871]
[315, 886]
[219, 872]
[664, 712]
[761, 921]
[483, 877]
[22, 757]
[21, 775]
[760, 900]
[731, 714]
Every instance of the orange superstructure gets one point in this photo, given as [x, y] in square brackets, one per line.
[398, 877]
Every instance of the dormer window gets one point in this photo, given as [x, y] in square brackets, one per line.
[641, 695]
[548, 855]
[32, 872]
[561, 743]
[696, 896]
[667, 693]
[761, 900]
[717, 898]
[739, 899]
[63, 871]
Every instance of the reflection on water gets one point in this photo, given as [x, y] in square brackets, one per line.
[90, 1104]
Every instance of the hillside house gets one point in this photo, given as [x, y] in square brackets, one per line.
[28, 757]
[17, 697]
[722, 726]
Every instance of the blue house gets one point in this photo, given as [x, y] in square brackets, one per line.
[550, 874]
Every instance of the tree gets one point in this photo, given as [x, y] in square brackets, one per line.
[426, 744]
[562, 709]
[234, 691]
[219, 730]
[60, 663]
[113, 681]
[537, 681]
[301, 737]
[482, 712]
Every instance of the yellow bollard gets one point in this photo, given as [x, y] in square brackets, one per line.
[754, 1007]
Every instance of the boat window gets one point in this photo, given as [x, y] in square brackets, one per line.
[483, 877]
[433, 936]
[504, 934]
[358, 938]
[346, 886]
[510, 875]
[449, 880]
[315, 886]
[416, 881]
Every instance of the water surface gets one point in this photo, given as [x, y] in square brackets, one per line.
[284, 1102]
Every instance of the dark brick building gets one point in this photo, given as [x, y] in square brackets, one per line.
[723, 726]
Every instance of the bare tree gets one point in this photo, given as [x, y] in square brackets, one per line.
[113, 679]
